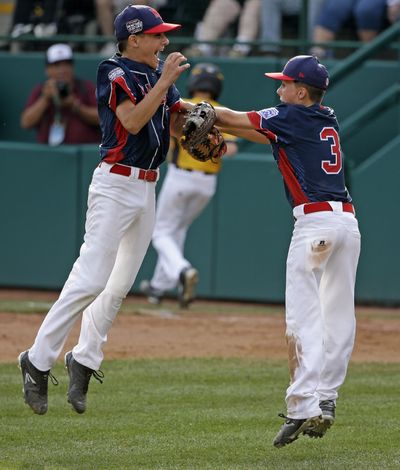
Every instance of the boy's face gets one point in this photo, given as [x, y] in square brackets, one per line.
[149, 47]
[289, 93]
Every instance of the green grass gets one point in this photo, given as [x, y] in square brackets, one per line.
[135, 305]
[197, 414]
[24, 306]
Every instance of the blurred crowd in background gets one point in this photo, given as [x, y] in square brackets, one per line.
[242, 21]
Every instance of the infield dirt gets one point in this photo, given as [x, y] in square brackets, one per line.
[144, 332]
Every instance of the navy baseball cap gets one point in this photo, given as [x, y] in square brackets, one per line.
[136, 19]
[305, 69]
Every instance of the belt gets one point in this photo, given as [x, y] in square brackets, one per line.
[326, 206]
[138, 173]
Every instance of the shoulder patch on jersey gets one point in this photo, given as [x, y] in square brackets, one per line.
[115, 73]
[269, 113]
[330, 111]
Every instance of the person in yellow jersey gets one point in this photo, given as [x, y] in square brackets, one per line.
[188, 187]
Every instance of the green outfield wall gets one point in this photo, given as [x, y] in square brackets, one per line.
[239, 243]
[375, 189]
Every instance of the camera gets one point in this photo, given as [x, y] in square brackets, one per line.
[63, 89]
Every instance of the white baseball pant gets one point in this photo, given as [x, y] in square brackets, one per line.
[320, 317]
[182, 198]
[119, 225]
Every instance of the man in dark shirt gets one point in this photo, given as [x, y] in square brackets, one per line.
[63, 109]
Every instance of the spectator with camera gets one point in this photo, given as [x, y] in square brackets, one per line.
[63, 109]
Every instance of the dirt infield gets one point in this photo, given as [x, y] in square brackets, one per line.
[203, 331]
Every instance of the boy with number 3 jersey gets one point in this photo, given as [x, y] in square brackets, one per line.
[325, 246]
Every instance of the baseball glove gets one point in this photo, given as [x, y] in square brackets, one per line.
[200, 137]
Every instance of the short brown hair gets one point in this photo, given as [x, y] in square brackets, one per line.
[122, 45]
[315, 94]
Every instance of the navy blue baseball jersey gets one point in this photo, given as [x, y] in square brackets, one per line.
[120, 78]
[306, 146]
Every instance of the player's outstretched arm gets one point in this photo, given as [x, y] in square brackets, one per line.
[232, 119]
[247, 134]
[239, 124]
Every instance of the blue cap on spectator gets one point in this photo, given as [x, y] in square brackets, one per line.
[136, 19]
[306, 69]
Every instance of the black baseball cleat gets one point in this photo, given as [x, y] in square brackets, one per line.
[328, 409]
[154, 296]
[79, 377]
[292, 428]
[35, 384]
[188, 279]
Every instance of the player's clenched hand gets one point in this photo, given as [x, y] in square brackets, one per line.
[173, 66]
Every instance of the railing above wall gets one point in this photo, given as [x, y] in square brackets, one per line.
[301, 45]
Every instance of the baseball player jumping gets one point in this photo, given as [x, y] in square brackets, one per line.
[137, 102]
[188, 187]
[325, 246]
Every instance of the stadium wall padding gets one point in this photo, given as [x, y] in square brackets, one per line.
[239, 244]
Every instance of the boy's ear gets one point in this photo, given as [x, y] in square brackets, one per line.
[302, 92]
[133, 39]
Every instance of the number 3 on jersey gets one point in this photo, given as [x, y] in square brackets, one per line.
[335, 165]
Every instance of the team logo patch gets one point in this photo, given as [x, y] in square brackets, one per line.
[134, 26]
[115, 73]
[269, 113]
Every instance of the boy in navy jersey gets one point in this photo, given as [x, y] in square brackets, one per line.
[325, 246]
[137, 103]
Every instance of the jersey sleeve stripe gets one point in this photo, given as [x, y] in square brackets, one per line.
[113, 95]
[175, 107]
[256, 120]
